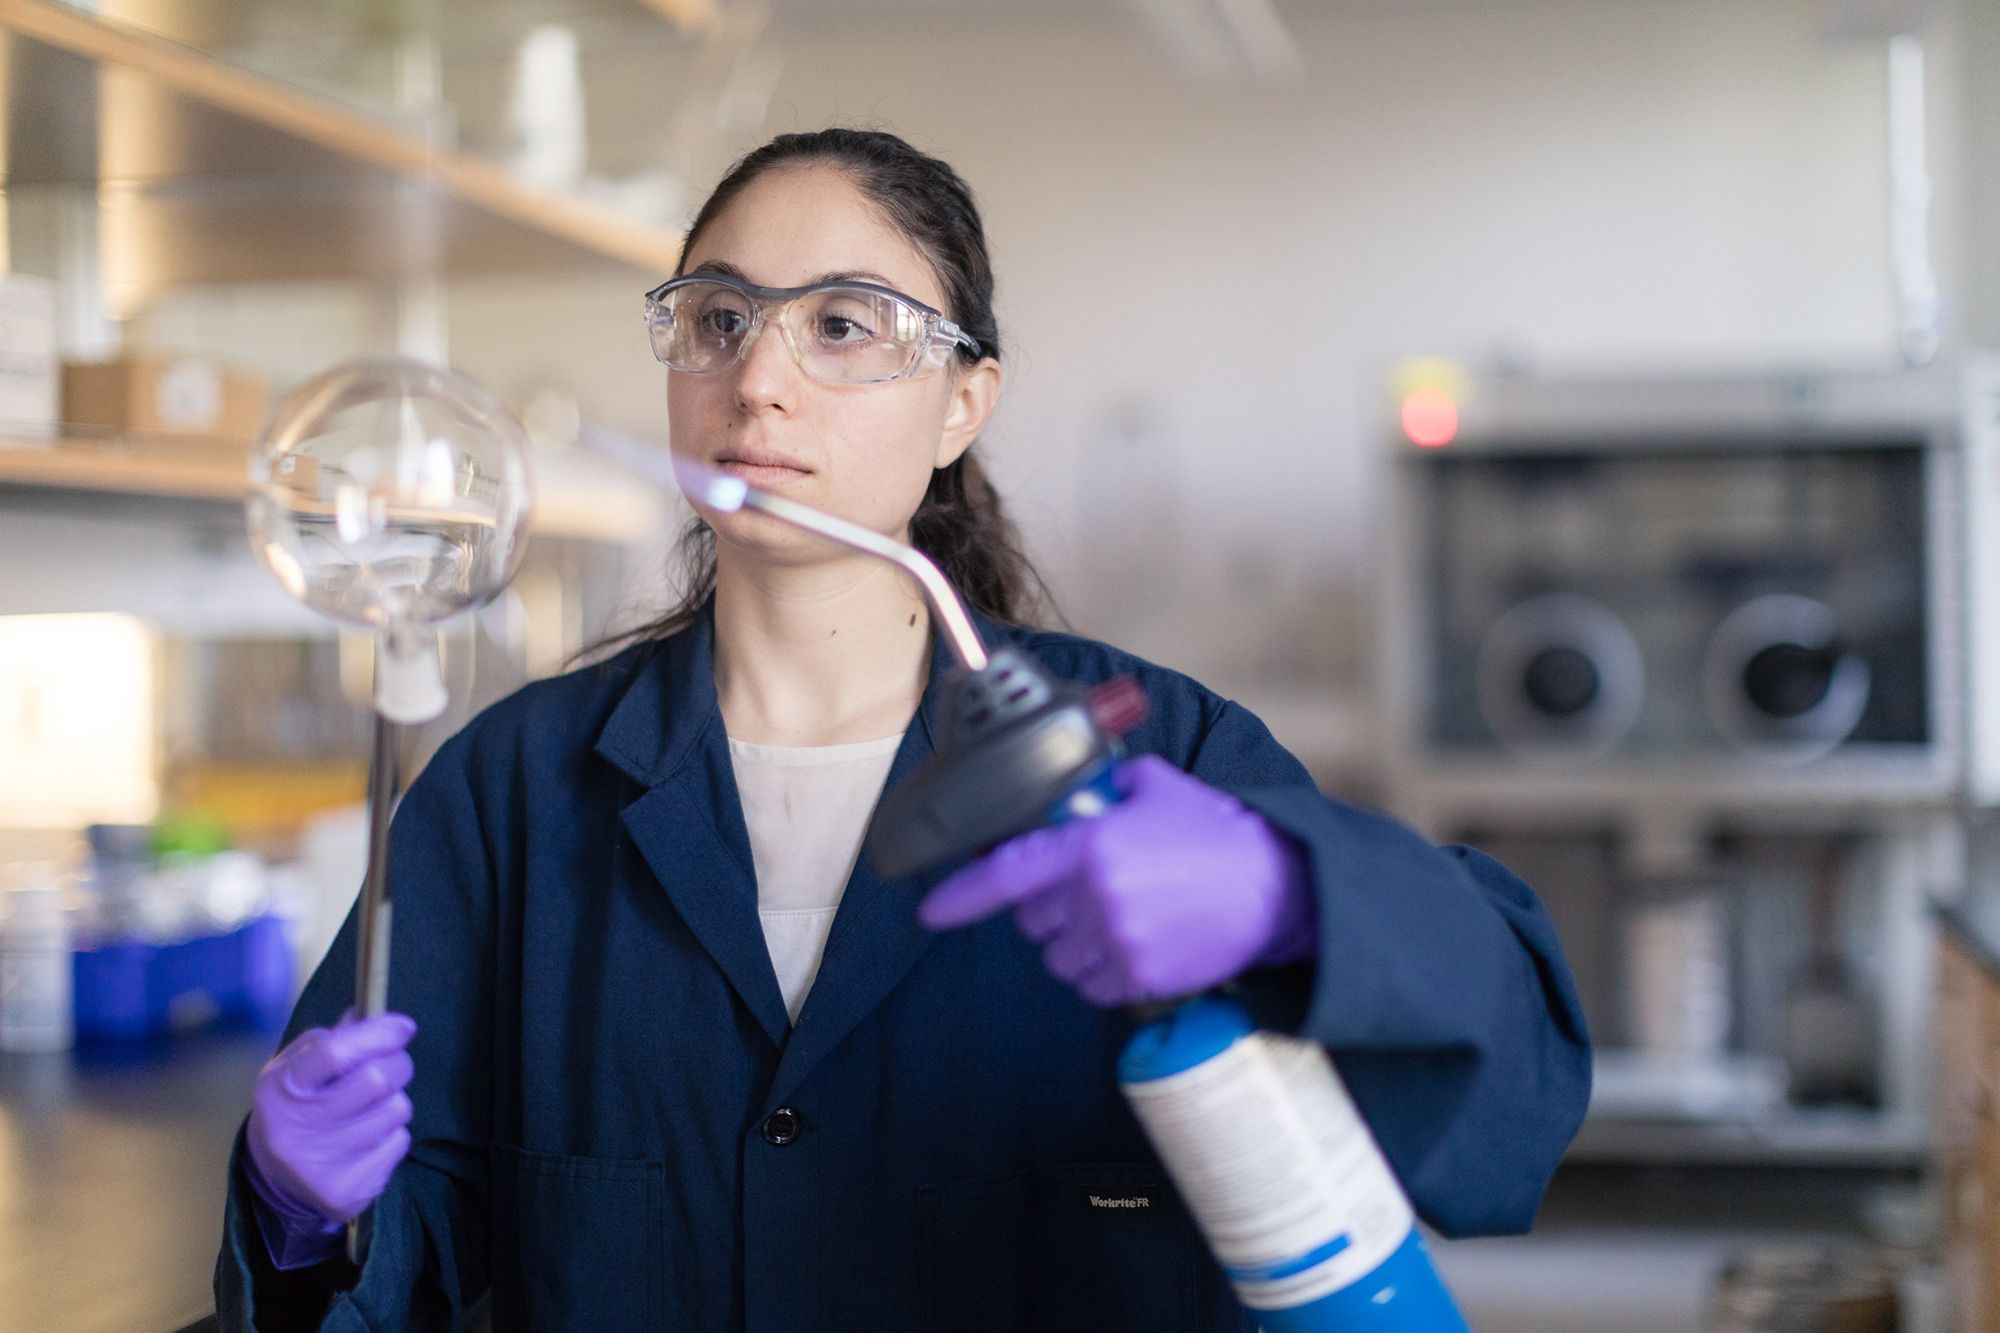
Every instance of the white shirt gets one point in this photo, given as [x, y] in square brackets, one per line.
[806, 809]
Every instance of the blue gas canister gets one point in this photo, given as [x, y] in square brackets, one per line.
[1282, 1175]
[1288, 1185]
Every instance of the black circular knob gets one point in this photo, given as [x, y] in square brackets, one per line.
[1561, 682]
[782, 1127]
[1787, 680]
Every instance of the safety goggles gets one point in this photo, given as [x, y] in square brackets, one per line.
[839, 332]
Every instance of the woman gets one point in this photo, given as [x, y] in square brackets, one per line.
[684, 1063]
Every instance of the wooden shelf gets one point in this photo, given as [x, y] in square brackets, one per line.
[190, 469]
[226, 173]
[576, 496]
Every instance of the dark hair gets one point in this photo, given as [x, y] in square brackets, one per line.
[961, 523]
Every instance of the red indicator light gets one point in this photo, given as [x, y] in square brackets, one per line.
[1430, 418]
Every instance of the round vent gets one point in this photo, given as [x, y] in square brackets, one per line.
[1779, 682]
[1560, 678]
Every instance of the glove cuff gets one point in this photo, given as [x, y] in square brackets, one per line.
[295, 1234]
[1295, 936]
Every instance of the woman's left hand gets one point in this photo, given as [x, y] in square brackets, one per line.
[1171, 891]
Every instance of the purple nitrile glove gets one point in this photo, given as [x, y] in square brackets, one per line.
[1171, 891]
[328, 1123]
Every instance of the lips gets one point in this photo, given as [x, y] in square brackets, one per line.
[760, 459]
[763, 468]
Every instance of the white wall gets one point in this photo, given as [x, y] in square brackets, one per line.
[1970, 145]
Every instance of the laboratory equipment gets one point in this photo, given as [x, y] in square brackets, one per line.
[1257, 1130]
[1691, 654]
[1804, 1288]
[166, 941]
[35, 1009]
[390, 495]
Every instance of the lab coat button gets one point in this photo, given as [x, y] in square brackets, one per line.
[781, 1127]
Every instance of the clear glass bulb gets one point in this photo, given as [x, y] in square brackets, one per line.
[387, 493]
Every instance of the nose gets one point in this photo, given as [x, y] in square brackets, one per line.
[767, 377]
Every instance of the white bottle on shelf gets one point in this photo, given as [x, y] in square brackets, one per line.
[36, 1012]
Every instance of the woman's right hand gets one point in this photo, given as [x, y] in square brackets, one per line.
[329, 1121]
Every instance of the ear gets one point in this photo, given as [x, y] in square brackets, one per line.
[974, 394]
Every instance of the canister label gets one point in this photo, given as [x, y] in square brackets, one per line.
[1277, 1166]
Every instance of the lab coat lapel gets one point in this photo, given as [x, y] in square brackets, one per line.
[667, 734]
[690, 832]
[876, 937]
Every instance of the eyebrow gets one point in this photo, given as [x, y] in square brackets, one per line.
[728, 269]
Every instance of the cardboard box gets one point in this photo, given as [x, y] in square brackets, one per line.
[188, 395]
[29, 369]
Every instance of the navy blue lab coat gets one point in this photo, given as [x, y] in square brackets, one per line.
[603, 1051]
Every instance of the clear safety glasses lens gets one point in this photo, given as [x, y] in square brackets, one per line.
[842, 335]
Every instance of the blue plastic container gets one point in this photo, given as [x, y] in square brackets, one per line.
[132, 991]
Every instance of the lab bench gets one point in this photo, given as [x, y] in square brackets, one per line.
[112, 1182]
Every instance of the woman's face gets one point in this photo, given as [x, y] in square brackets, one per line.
[864, 452]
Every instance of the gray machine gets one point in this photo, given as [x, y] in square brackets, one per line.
[1693, 655]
